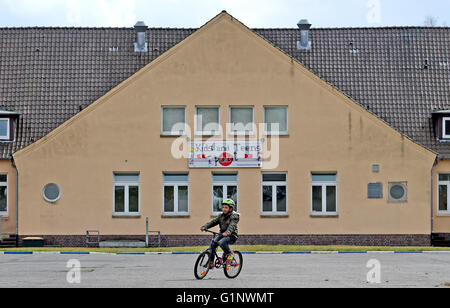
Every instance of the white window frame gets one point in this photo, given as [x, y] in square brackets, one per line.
[324, 185]
[5, 184]
[199, 131]
[8, 129]
[126, 185]
[232, 132]
[439, 183]
[176, 185]
[225, 185]
[274, 185]
[444, 126]
[177, 134]
[280, 133]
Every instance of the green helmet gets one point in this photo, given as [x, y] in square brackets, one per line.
[230, 203]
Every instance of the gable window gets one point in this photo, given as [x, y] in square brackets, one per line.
[274, 194]
[176, 194]
[207, 121]
[443, 194]
[3, 194]
[225, 186]
[446, 127]
[276, 120]
[173, 121]
[324, 194]
[4, 129]
[126, 194]
[242, 120]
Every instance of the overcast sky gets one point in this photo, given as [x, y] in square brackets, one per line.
[194, 13]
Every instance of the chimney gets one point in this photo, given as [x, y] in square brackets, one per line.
[141, 44]
[304, 43]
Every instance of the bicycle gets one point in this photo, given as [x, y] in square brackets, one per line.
[204, 261]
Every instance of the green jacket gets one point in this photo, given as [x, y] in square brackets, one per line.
[228, 224]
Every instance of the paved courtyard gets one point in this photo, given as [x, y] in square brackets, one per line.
[262, 271]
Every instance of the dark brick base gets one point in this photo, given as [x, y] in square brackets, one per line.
[202, 240]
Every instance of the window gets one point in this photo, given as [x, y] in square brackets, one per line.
[173, 121]
[242, 120]
[398, 192]
[443, 194]
[3, 194]
[176, 194]
[274, 194]
[51, 193]
[446, 128]
[207, 121]
[225, 186]
[4, 129]
[126, 194]
[324, 194]
[276, 120]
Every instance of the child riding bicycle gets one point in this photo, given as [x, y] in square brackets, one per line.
[228, 223]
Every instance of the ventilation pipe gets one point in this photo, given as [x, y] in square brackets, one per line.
[304, 43]
[141, 44]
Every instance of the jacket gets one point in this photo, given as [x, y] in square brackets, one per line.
[228, 224]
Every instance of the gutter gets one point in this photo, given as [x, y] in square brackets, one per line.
[436, 162]
[17, 200]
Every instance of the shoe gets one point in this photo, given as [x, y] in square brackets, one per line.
[230, 258]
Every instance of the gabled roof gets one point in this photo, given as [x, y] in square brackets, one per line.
[50, 74]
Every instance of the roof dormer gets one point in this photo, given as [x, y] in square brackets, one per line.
[8, 124]
[441, 124]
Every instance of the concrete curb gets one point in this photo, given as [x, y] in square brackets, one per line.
[197, 253]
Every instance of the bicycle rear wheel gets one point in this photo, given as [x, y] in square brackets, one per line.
[202, 265]
[233, 269]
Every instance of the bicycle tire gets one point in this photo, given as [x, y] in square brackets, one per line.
[240, 262]
[200, 271]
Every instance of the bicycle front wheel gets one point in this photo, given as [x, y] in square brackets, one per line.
[202, 265]
[233, 269]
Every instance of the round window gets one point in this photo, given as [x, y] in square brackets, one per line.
[398, 192]
[51, 193]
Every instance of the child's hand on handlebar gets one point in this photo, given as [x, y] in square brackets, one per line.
[203, 229]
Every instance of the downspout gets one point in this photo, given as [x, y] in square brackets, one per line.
[17, 200]
[436, 162]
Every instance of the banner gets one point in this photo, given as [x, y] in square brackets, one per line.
[226, 154]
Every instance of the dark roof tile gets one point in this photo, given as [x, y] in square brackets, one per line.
[49, 74]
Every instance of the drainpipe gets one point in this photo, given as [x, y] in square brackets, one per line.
[436, 162]
[17, 200]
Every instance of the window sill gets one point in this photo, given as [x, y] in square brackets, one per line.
[172, 136]
[137, 216]
[276, 135]
[324, 215]
[443, 214]
[176, 216]
[275, 215]
[4, 216]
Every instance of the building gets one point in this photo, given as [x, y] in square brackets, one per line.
[90, 135]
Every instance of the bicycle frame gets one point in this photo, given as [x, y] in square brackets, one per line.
[213, 256]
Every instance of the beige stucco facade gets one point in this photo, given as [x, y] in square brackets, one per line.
[9, 219]
[441, 221]
[224, 64]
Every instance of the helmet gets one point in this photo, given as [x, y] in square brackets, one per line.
[230, 203]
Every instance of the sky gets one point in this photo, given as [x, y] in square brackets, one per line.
[195, 13]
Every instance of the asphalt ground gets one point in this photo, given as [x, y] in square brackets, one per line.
[259, 271]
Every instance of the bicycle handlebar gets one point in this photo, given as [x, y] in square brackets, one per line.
[212, 232]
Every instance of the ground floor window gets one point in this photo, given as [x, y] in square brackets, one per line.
[274, 194]
[3, 194]
[225, 186]
[126, 194]
[443, 194]
[176, 194]
[324, 194]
